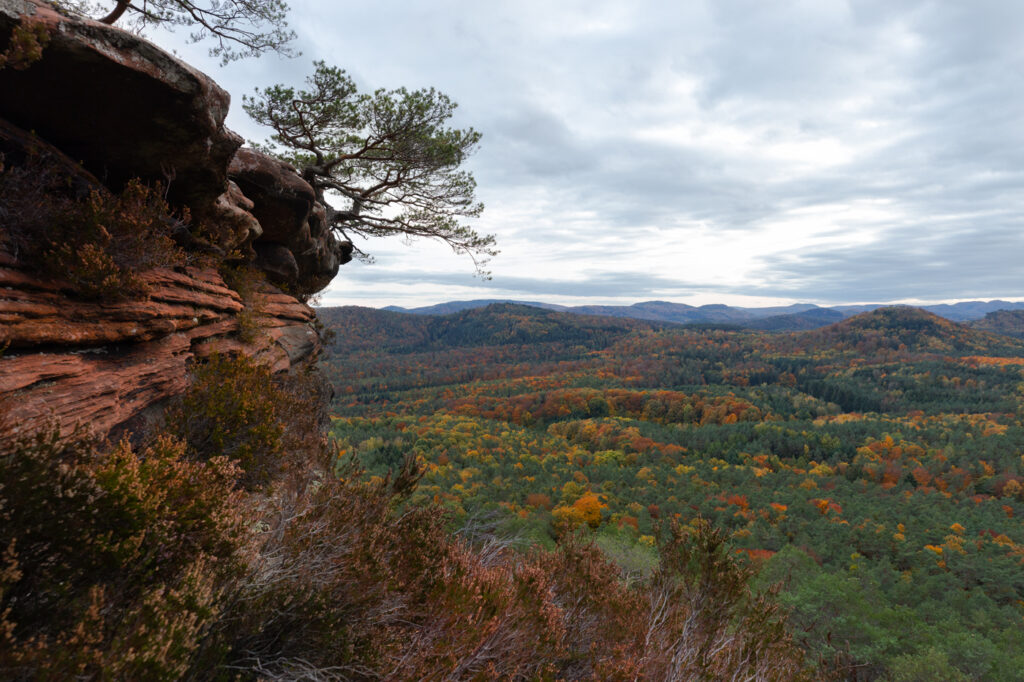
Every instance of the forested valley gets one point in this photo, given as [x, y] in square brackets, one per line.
[871, 471]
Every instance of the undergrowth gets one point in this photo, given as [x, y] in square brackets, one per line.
[246, 280]
[232, 545]
[239, 409]
[98, 242]
[115, 560]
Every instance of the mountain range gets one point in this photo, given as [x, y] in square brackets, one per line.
[799, 316]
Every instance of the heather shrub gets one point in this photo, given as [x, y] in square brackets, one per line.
[113, 563]
[348, 582]
[25, 45]
[702, 621]
[694, 618]
[246, 280]
[597, 611]
[96, 241]
[237, 408]
[231, 409]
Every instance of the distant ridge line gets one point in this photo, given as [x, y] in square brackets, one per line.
[772, 318]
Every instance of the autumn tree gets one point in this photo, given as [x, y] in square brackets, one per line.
[383, 164]
[240, 28]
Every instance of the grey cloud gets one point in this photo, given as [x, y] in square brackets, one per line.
[605, 285]
[534, 145]
[955, 259]
[928, 95]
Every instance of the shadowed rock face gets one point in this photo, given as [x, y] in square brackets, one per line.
[16, 145]
[282, 200]
[123, 109]
[126, 109]
[296, 244]
[121, 106]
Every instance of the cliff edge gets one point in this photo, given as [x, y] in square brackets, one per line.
[118, 125]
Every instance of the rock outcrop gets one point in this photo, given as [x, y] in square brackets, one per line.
[126, 109]
[120, 105]
[296, 244]
[123, 108]
[100, 364]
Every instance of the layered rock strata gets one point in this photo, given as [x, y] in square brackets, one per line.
[106, 106]
[99, 364]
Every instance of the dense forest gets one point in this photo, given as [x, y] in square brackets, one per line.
[872, 471]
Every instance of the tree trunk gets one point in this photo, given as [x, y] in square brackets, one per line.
[115, 14]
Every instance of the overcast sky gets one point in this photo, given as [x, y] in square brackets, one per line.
[745, 152]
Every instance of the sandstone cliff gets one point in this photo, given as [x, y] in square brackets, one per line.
[104, 106]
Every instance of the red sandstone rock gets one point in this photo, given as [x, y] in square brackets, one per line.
[98, 390]
[231, 214]
[125, 109]
[282, 200]
[296, 246]
[32, 315]
[101, 364]
[277, 261]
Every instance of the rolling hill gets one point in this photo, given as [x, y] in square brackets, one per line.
[1006, 322]
[808, 319]
[911, 329]
[497, 324]
[794, 317]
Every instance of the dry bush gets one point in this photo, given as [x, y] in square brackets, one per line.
[348, 583]
[232, 409]
[96, 241]
[113, 562]
[596, 609]
[701, 620]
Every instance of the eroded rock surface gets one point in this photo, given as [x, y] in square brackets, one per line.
[120, 105]
[296, 248]
[99, 364]
[126, 109]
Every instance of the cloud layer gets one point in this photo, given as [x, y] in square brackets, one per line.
[703, 151]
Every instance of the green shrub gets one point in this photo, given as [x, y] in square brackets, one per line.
[237, 408]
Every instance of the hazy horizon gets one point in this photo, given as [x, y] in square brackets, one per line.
[759, 304]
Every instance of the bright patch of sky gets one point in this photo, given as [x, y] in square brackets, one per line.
[716, 151]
